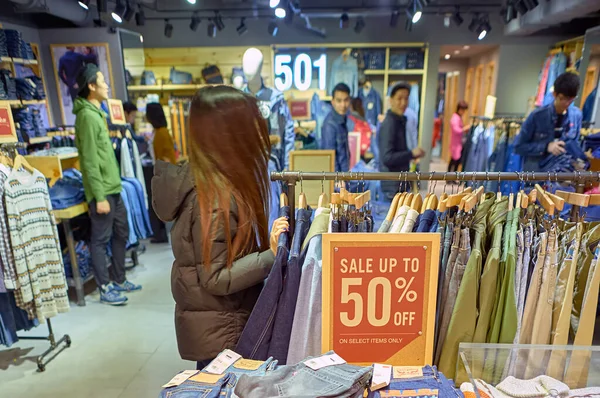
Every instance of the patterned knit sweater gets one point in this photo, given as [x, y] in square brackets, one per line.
[34, 240]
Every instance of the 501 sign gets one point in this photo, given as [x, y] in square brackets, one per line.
[298, 71]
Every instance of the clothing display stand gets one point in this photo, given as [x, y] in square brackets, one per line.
[54, 345]
[292, 177]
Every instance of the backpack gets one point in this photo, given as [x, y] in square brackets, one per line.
[212, 74]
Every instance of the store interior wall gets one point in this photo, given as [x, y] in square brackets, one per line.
[456, 65]
[483, 61]
[518, 70]
[429, 108]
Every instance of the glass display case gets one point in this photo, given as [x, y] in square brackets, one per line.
[548, 369]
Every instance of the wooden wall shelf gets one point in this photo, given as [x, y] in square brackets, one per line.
[21, 61]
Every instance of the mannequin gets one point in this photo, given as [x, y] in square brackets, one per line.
[272, 106]
[345, 70]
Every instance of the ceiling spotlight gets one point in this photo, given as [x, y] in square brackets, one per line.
[474, 23]
[195, 22]
[219, 22]
[141, 39]
[394, 18]
[360, 24]
[130, 12]
[191, 1]
[447, 20]
[280, 12]
[140, 17]
[456, 52]
[273, 3]
[408, 26]
[211, 31]
[168, 29]
[102, 5]
[85, 4]
[483, 29]
[521, 7]
[457, 18]
[118, 12]
[242, 29]
[344, 21]
[447, 56]
[273, 28]
[414, 11]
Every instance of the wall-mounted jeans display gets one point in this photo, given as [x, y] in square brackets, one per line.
[300, 381]
[3, 48]
[431, 379]
[10, 87]
[14, 43]
[256, 338]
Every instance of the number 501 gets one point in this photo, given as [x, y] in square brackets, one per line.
[286, 73]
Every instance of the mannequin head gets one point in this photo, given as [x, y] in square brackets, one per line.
[252, 64]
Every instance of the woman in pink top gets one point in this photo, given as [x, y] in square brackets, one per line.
[456, 134]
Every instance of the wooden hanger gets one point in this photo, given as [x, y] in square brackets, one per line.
[408, 199]
[559, 203]
[302, 203]
[323, 200]
[544, 200]
[454, 200]
[472, 200]
[403, 196]
[417, 202]
[433, 202]
[283, 200]
[575, 199]
[335, 199]
[21, 162]
[362, 199]
[352, 199]
[392, 210]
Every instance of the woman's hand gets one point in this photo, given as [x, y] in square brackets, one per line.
[280, 225]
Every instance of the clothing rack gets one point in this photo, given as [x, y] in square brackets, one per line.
[291, 178]
[10, 147]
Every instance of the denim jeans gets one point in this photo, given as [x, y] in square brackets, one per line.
[300, 381]
[431, 379]
[195, 389]
[255, 340]
[282, 325]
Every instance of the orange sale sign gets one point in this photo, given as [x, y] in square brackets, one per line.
[379, 296]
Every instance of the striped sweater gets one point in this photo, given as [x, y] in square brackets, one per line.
[35, 245]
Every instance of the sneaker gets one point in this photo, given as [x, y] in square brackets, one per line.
[126, 287]
[111, 296]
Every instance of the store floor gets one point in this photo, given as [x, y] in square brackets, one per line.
[125, 352]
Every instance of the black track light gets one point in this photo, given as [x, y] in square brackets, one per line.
[85, 4]
[394, 18]
[414, 11]
[344, 21]
[425, 3]
[242, 29]
[194, 22]
[102, 5]
[219, 22]
[360, 24]
[521, 7]
[457, 18]
[408, 25]
[119, 11]
[273, 28]
[474, 23]
[168, 29]
[130, 12]
[509, 13]
[140, 17]
[211, 31]
[289, 15]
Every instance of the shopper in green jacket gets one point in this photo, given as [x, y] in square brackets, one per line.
[102, 185]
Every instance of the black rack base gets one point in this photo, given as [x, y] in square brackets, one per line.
[54, 346]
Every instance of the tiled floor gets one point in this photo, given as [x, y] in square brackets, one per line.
[125, 352]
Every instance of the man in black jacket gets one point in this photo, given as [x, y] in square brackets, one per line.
[393, 149]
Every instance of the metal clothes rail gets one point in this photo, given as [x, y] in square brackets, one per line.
[291, 178]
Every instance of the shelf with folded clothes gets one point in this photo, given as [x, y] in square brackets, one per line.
[21, 61]
[20, 103]
[167, 87]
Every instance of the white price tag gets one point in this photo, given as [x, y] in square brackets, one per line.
[222, 362]
[382, 375]
[325, 360]
[180, 378]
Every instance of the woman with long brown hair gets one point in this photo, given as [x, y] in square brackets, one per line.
[220, 235]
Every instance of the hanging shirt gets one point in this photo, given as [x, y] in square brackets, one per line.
[412, 128]
[344, 70]
[372, 104]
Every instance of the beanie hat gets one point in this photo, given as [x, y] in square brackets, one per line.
[86, 75]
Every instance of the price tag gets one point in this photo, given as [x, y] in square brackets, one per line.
[381, 376]
[206, 378]
[422, 393]
[180, 378]
[222, 362]
[379, 297]
[407, 372]
[248, 364]
[323, 361]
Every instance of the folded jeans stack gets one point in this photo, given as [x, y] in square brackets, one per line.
[68, 191]
[38, 84]
[84, 259]
[374, 59]
[398, 61]
[300, 381]
[415, 59]
[10, 88]
[38, 123]
[27, 51]
[25, 89]
[23, 118]
[14, 43]
[431, 379]
[3, 48]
